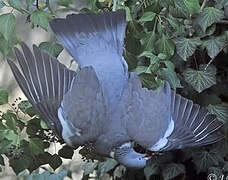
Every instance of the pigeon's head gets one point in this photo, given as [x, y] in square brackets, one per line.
[127, 156]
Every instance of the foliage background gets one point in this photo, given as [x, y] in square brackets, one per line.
[181, 41]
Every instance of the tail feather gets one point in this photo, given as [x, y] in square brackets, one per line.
[193, 126]
[44, 81]
[83, 35]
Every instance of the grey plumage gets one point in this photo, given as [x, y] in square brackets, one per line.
[97, 40]
[102, 104]
[44, 81]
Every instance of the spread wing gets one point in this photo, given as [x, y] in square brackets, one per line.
[84, 109]
[148, 112]
[44, 81]
[193, 125]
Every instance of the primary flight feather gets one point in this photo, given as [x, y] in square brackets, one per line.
[103, 104]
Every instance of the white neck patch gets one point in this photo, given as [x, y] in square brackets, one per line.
[163, 141]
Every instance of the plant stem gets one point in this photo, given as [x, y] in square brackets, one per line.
[203, 5]
[114, 5]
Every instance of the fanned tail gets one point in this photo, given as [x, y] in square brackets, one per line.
[92, 38]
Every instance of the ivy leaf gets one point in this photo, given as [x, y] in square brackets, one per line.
[131, 60]
[106, 166]
[5, 46]
[36, 146]
[26, 107]
[3, 96]
[66, 152]
[209, 16]
[8, 23]
[148, 41]
[186, 46]
[150, 170]
[180, 10]
[203, 160]
[47, 175]
[40, 18]
[89, 168]
[119, 171]
[29, 2]
[172, 170]
[214, 45]
[51, 47]
[148, 80]
[221, 112]
[2, 4]
[165, 45]
[15, 4]
[170, 75]
[11, 119]
[20, 164]
[55, 161]
[65, 3]
[192, 5]
[200, 79]
[147, 16]
[43, 124]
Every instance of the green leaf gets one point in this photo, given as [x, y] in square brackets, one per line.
[162, 56]
[65, 3]
[20, 164]
[170, 75]
[55, 161]
[66, 152]
[221, 112]
[2, 161]
[43, 124]
[209, 16]
[200, 79]
[5, 46]
[203, 160]
[153, 169]
[29, 2]
[225, 167]
[47, 175]
[40, 18]
[148, 41]
[15, 4]
[3, 96]
[8, 23]
[148, 80]
[131, 60]
[36, 146]
[11, 119]
[26, 107]
[2, 4]
[180, 10]
[51, 47]
[106, 166]
[192, 5]
[119, 171]
[89, 167]
[172, 170]
[186, 47]
[165, 45]
[214, 45]
[147, 16]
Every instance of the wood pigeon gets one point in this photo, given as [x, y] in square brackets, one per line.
[103, 105]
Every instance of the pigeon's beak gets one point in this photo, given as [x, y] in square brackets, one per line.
[147, 157]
